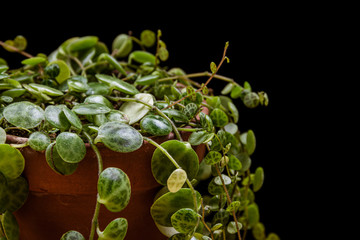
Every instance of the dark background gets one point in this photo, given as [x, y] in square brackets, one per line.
[266, 49]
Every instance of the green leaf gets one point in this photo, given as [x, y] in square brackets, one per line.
[222, 216]
[136, 111]
[178, 236]
[236, 92]
[46, 90]
[219, 117]
[64, 70]
[123, 45]
[114, 189]
[213, 67]
[234, 206]
[258, 231]
[251, 100]
[20, 42]
[147, 38]
[115, 230]
[183, 154]
[119, 137]
[14, 195]
[169, 203]
[231, 227]
[39, 141]
[117, 116]
[176, 180]
[141, 57]
[147, 80]
[72, 235]
[70, 147]
[82, 43]
[14, 93]
[184, 220]
[117, 84]
[253, 214]
[110, 59]
[99, 99]
[2, 136]
[52, 70]
[213, 101]
[212, 157]
[206, 122]
[225, 178]
[33, 61]
[234, 163]
[272, 236]
[10, 226]
[72, 118]
[199, 137]
[190, 110]
[155, 125]
[77, 86]
[227, 89]
[24, 114]
[12, 162]
[55, 116]
[231, 128]
[90, 109]
[98, 88]
[56, 163]
[258, 179]
[163, 54]
[175, 114]
[250, 142]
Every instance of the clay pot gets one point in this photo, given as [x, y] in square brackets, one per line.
[57, 204]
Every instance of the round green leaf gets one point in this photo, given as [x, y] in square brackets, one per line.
[212, 157]
[39, 141]
[52, 70]
[46, 90]
[24, 114]
[113, 62]
[148, 38]
[258, 231]
[184, 155]
[226, 179]
[123, 45]
[72, 118]
[251, 100]
[117, 84]
[184, 220]
[222, 216]
[33, 61]
[234, 163]
[190, 110]
[12, 162]
[169, 203]
[253, 214]
[114, 189]
[70, 147]
[155, 125]
[57, 163]
[97, 88]
[250, 142]
[234, 111]
[231, 227]
[136, 111]
[82, 43]
[176, 180]
[272, 236]
[14, 195]
[99, 99]
[72, 235]
[90, 109]
[219, 117]
[117, 116]
[199, 137]
[55, 116]
[115, 230]
[258, 179]
[142, 57]
[2, 136]
[231, 128]
[119, 137]
[10, 226]
[77, 86]
[64, 70]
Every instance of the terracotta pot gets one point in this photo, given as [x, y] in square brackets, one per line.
[57, 204]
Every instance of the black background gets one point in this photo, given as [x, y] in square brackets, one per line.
[266, 49]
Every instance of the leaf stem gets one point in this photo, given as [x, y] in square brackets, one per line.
[229, 201]
[203, 219]
[28, 55]
[95, 221]
[208, 81]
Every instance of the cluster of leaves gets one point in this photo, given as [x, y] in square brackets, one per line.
[82, 93]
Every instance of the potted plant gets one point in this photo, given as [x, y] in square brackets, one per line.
[106, 144]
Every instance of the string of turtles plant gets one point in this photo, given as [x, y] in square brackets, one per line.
[83, 93]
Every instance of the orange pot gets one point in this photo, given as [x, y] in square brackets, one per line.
[57, 204]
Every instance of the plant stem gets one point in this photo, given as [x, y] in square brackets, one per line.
[229, 201]
[208, 81]
[95, 222]
[177, 134]
[189, 129]
[28, 55]
[246, 209]
[203, 219]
